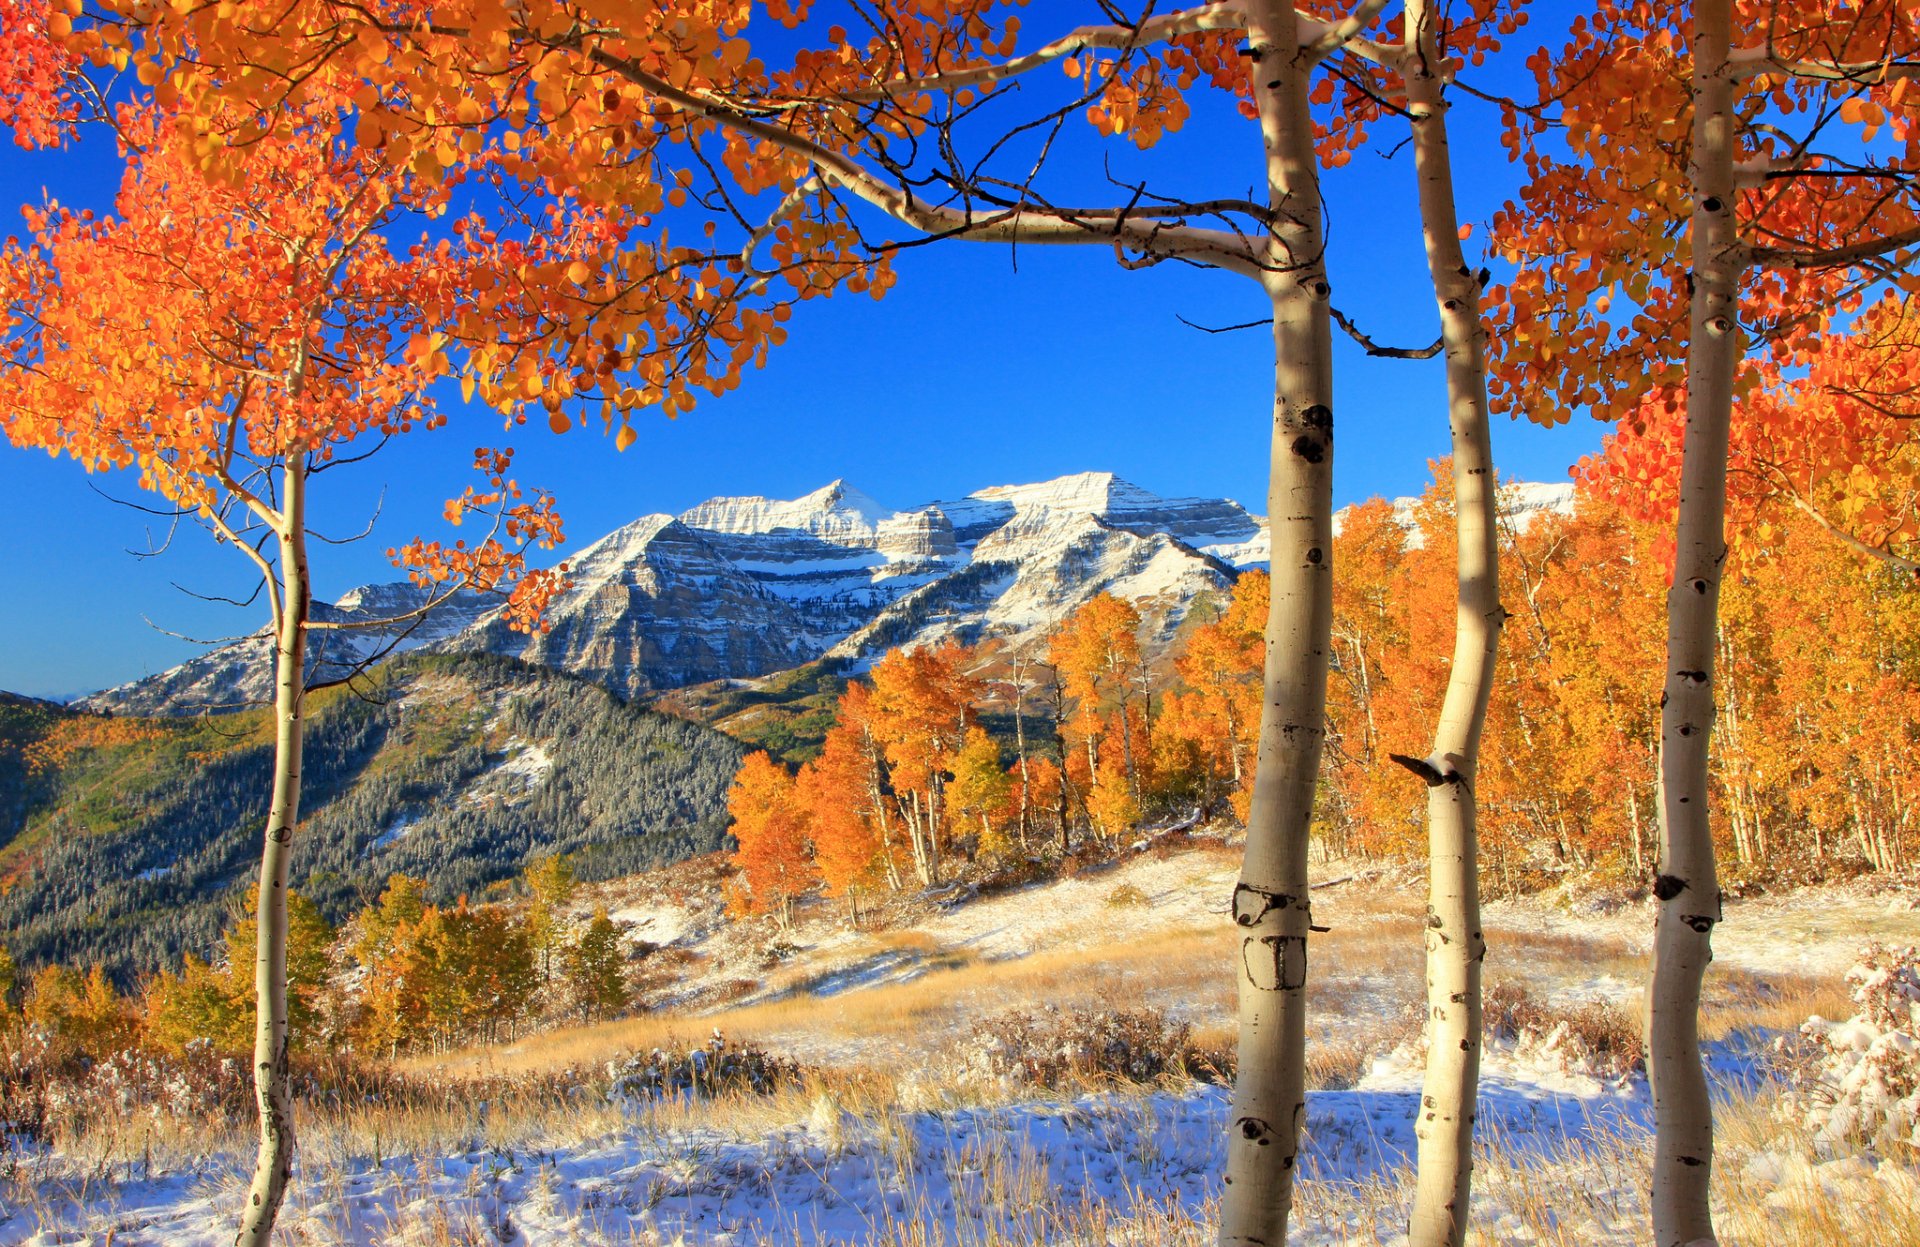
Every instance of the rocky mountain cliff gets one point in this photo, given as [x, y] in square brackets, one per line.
[739, 587]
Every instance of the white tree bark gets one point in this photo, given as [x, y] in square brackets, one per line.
[1455, 946]
[1271, 901]
[1688, 892]
[272, 1092]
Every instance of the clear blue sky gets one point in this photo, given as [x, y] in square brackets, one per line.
[968, 374]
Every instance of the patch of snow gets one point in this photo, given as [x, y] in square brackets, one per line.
[656, 924]
[395, 832]
[834, 510]
[825, 1176]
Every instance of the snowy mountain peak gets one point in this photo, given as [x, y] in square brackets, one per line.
[1093, 493]
[739, 587]
[834, 509]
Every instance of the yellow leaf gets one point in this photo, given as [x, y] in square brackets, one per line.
[625, 437]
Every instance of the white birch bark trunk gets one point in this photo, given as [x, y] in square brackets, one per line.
[1271, 900]
[1688, 892]
[1454, 944]
[272, 1092]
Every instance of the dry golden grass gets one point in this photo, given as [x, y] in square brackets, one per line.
[871, 1049]
[1373, 958]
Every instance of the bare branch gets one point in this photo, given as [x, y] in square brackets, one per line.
[1219, 16]
[1321, 39]
[1384, 352]
[1847, 539]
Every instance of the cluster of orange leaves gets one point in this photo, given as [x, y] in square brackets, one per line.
[1595, 316]
[35, 70]
[75, 735]
[486, 566]
[608, 132]
[1842, 436]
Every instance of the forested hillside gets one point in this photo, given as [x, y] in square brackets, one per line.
[128, 841]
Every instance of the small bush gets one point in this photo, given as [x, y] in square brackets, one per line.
[714, 1068]
[1053, 1048]
[1596, 1038]
[1127, 896]
[1858, 1081]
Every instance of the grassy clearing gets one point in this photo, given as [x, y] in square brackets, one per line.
[879, 1063]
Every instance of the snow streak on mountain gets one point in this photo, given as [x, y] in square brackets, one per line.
[740, 587]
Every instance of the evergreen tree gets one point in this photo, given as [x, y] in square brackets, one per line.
[596, 969]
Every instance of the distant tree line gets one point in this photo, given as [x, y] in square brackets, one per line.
[401, 975]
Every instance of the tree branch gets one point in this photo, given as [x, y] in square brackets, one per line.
[1835, 257]
[1219, 16]
[1384, 352]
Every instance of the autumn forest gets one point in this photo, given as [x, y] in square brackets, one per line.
[1667, 733]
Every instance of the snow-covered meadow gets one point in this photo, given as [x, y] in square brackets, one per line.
[899, 1133]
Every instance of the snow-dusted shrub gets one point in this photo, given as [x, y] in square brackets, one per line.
[49, 1092]
[1596, 1038]
[1858, 1081]
[715, 1067]
[1051, 1048]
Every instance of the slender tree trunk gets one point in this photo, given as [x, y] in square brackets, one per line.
[272, 1092]
[936, 813]
[1271, 903]
[1455, 946]
[1687, 889]
[1020, 749]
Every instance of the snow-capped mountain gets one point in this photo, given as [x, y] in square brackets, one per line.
[744, 586]
[368, 624]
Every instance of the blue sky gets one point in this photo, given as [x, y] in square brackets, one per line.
[975, 370]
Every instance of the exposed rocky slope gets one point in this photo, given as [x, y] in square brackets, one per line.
[742, 587]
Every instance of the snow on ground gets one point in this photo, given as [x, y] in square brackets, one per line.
[830, 1178]
[1813, 931]
[819, 1175]
[395, 831]
[655, 924]
[1188, 890]
[524, 768]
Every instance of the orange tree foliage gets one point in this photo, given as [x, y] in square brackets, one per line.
[842, 792]
[1212, 727]
[1839, 442]
[1595, 314]
[36, 70]
[770, 825]
[445, 977]
[212, 331]
[74, 735]
[581, 105]
[1097, 652]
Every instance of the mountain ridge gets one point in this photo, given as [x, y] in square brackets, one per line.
[742, 586]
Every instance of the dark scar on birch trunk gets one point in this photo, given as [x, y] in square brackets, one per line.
[1275, 962]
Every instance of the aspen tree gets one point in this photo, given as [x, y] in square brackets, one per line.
[225, 339]
[1786, 232]
[1455, 946]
